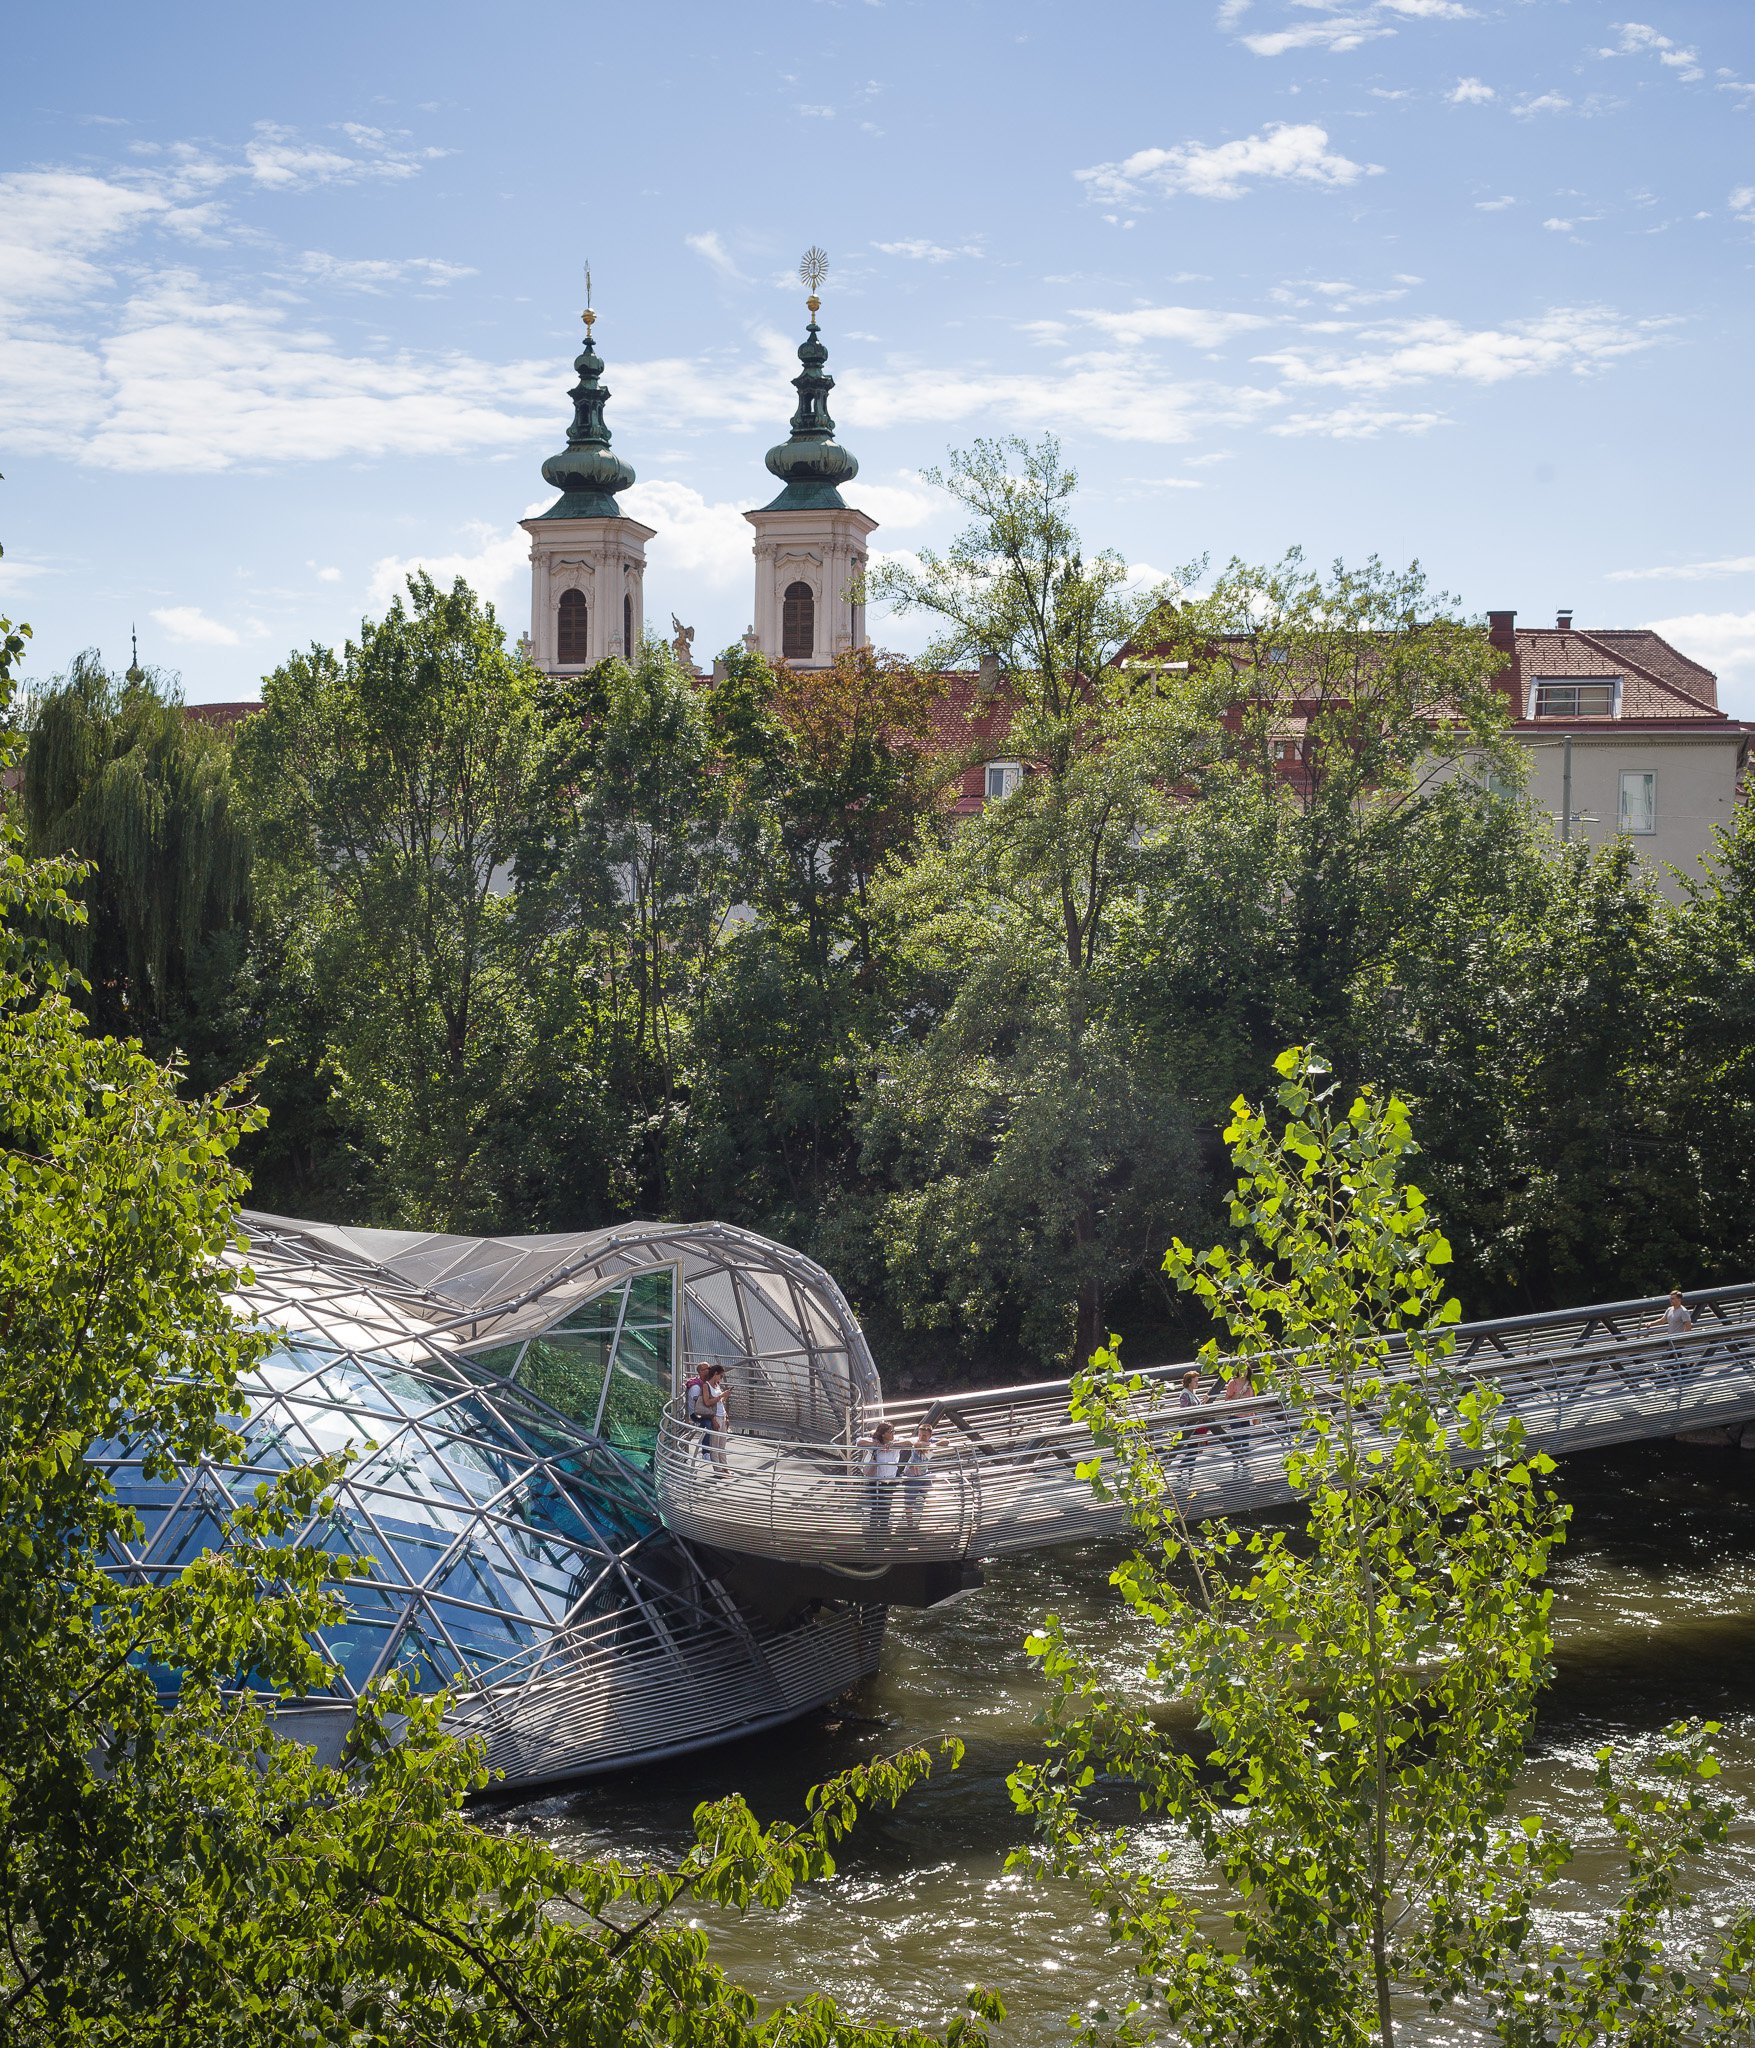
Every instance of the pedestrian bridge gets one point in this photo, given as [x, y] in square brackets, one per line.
[790, 1480]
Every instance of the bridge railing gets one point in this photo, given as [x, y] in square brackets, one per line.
[1004, 1474]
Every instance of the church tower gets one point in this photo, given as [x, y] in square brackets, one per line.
[810, 543]
[587, 558]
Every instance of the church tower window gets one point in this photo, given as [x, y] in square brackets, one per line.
[571, 622]
[628, 627]
[798, 626]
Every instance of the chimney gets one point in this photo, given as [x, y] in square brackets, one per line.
[987, 679]
[1499, 631]
[1563, 622]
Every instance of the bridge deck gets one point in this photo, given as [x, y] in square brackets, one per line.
[1003, 1471]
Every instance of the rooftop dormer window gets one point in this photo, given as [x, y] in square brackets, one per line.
[1575, 697]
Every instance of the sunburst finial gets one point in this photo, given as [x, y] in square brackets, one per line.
[590, 316]
[813, 267]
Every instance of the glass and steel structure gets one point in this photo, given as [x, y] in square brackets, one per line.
[503, 1397]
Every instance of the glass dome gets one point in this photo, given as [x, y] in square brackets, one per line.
[502, 1398]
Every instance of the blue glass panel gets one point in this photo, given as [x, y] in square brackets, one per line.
[356, 1646]
[431, 1662]
[186, 1537]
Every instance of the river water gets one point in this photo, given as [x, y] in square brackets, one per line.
[1655, 1609]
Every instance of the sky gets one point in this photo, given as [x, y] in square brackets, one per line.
[289, 296]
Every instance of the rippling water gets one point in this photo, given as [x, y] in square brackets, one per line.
[1655, 1602]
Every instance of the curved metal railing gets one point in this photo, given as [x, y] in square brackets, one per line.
[1003, 1469]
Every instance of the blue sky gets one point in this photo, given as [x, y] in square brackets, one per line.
[291, 294]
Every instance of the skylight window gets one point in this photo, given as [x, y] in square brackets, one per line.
[1575, 697]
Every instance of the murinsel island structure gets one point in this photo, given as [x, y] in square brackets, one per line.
[601, 1583]
[596, 1579]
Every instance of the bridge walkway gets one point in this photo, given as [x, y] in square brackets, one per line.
[790, 1481]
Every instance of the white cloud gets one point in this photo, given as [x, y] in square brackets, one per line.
[184, 381]
[1557, 226]
[1495, 205]
[1225, 170]
[1335, 32]
[1338, 29]
[1544, 103]
[190, 626]
[1742, 204]
[1471, 92]
[709, 246]
[697, 539]
[927, 252]
[495, 567]
[374, 273]
[1688, 572]
[1199, 326]
[1639, 38]
[1578, 339]
[324, 573]
[1724, 642]
[814, 111]
[276, 156]
[1358, 423]
[52, 223]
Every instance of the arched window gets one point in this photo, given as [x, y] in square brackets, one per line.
[571, 621]
[798, 624]
[628, 627]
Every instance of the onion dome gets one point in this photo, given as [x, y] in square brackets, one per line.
[585, 472]
[812, 463]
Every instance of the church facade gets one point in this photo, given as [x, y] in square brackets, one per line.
[588, 558]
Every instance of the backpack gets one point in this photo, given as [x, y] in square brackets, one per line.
[694, 1403]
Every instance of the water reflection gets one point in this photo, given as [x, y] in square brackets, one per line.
[1655, 1602]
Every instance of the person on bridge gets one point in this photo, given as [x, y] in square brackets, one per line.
[917, 1475]
[1237, 1388]
[718, 1418]
[1190, 1397]
[1678, 1316]
[883, 1459]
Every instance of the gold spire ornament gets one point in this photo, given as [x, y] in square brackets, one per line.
[590, 316]
[813, 267]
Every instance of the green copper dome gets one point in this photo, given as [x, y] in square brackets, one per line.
[585, 472]
[812, 463]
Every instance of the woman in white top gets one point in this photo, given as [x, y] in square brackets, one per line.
[1678, 1316]
[883, 1458]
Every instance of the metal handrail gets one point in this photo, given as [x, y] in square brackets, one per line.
[1004, 1471]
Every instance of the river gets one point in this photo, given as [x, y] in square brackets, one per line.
[1655, 1619]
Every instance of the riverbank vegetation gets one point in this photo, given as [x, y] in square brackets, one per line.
[1363, 1682]
[513, 954]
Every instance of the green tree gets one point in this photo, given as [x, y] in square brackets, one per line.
[1005, 1113]
[1352, 698]
[628, 880]
[173, 1870]
[1361, 1689]
[831, 782]
[391, 787]
[116, 774]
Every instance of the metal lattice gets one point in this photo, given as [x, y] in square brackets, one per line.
[503, 1397]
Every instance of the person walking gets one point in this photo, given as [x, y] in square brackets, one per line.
[883, 1459]
[917, 1476]
[1678, 1316]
